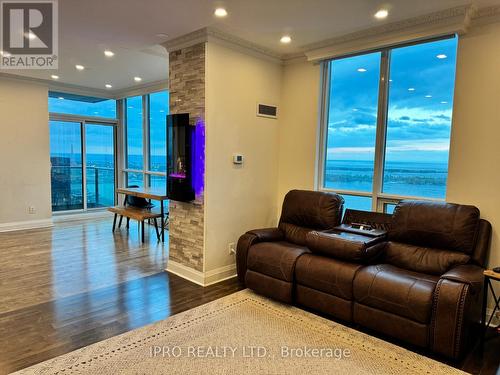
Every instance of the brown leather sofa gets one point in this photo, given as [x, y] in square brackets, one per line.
[422, 284]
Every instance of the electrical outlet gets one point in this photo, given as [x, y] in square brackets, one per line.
[31, 210]
[232, 250]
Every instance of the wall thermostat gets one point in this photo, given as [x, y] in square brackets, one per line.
[237, 159]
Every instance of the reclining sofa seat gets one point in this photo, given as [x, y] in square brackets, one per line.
[426, 287]
[266, 258]
[423, 288]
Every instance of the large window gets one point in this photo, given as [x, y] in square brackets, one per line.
[387, 124]
[145, 140]
[82, 153]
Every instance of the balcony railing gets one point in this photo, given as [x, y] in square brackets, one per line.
[67, 187]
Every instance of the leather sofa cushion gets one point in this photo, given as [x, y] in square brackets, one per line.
[312, 209]
[343, 245]
[328, 275]
[423, 259]
[435, 224]
[391, 289]
[304, 210]
[294, 233]
[275, 259]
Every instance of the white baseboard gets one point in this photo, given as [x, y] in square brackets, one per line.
[24, 225]
[202, 278]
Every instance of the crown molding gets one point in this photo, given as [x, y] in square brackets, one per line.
[486, 15]
[212, 34]
[87, 91]
[449, 21]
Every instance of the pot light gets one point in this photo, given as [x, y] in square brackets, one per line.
[108, 86]
[137, 79]
[411, 89]
[285, 39]
[441, 56]
[428, 96]
[381, 14]
[79, 67]
[220, 12]
[361, 70]
[53, 76]
[109, 53]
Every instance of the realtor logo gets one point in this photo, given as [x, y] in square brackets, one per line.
[28, 34]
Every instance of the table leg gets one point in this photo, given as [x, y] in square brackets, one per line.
[483, 313]
[162, 222]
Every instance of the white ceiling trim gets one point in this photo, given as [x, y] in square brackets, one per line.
[211, 34]
[447, 22]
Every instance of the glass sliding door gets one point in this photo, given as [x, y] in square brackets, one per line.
[100, 165]
[66, 161]
[73, 145]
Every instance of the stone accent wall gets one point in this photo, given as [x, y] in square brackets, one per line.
[187, 95]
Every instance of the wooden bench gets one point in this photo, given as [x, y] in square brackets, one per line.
[139, 214]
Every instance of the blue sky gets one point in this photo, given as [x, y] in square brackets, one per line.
[420, 104]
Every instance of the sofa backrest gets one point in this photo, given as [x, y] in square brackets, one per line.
[439, 225]
[305, 210]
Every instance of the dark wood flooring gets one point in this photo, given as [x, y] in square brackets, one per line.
[76, 284]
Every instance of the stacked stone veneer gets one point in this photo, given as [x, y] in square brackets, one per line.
[187, 95]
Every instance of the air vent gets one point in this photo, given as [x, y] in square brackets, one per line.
[266, 110]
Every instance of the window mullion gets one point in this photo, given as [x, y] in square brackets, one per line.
[381, 128]
[145, 136]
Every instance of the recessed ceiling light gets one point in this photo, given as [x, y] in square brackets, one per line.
[79, 67]
[53, 76]
[60, 98]
[137, 79]
[441, 56]
[108, 86]
[109, 53]
[220, 12]
[361, 70]
[411, 89]
[444, 102]
[428, 96]
[381, 14]
[285, 39]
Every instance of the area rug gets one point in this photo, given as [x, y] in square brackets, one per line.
[239, 334]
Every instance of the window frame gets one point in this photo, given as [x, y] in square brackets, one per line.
[146, 126]
[379, 198]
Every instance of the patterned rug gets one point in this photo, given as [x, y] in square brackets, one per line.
[239, 334]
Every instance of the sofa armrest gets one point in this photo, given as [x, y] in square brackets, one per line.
[467, 274]
[248, 239]
[456, 309]
[267, 234]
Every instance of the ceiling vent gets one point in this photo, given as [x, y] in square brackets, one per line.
[267, 110]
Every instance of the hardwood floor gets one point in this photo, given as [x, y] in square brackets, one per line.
[76, 284]
[71, 258]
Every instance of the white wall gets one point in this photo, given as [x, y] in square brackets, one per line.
[474, 171]
[238, 198]
[24, 150]
[298, 129]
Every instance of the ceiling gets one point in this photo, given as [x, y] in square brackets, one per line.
[130, 29]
